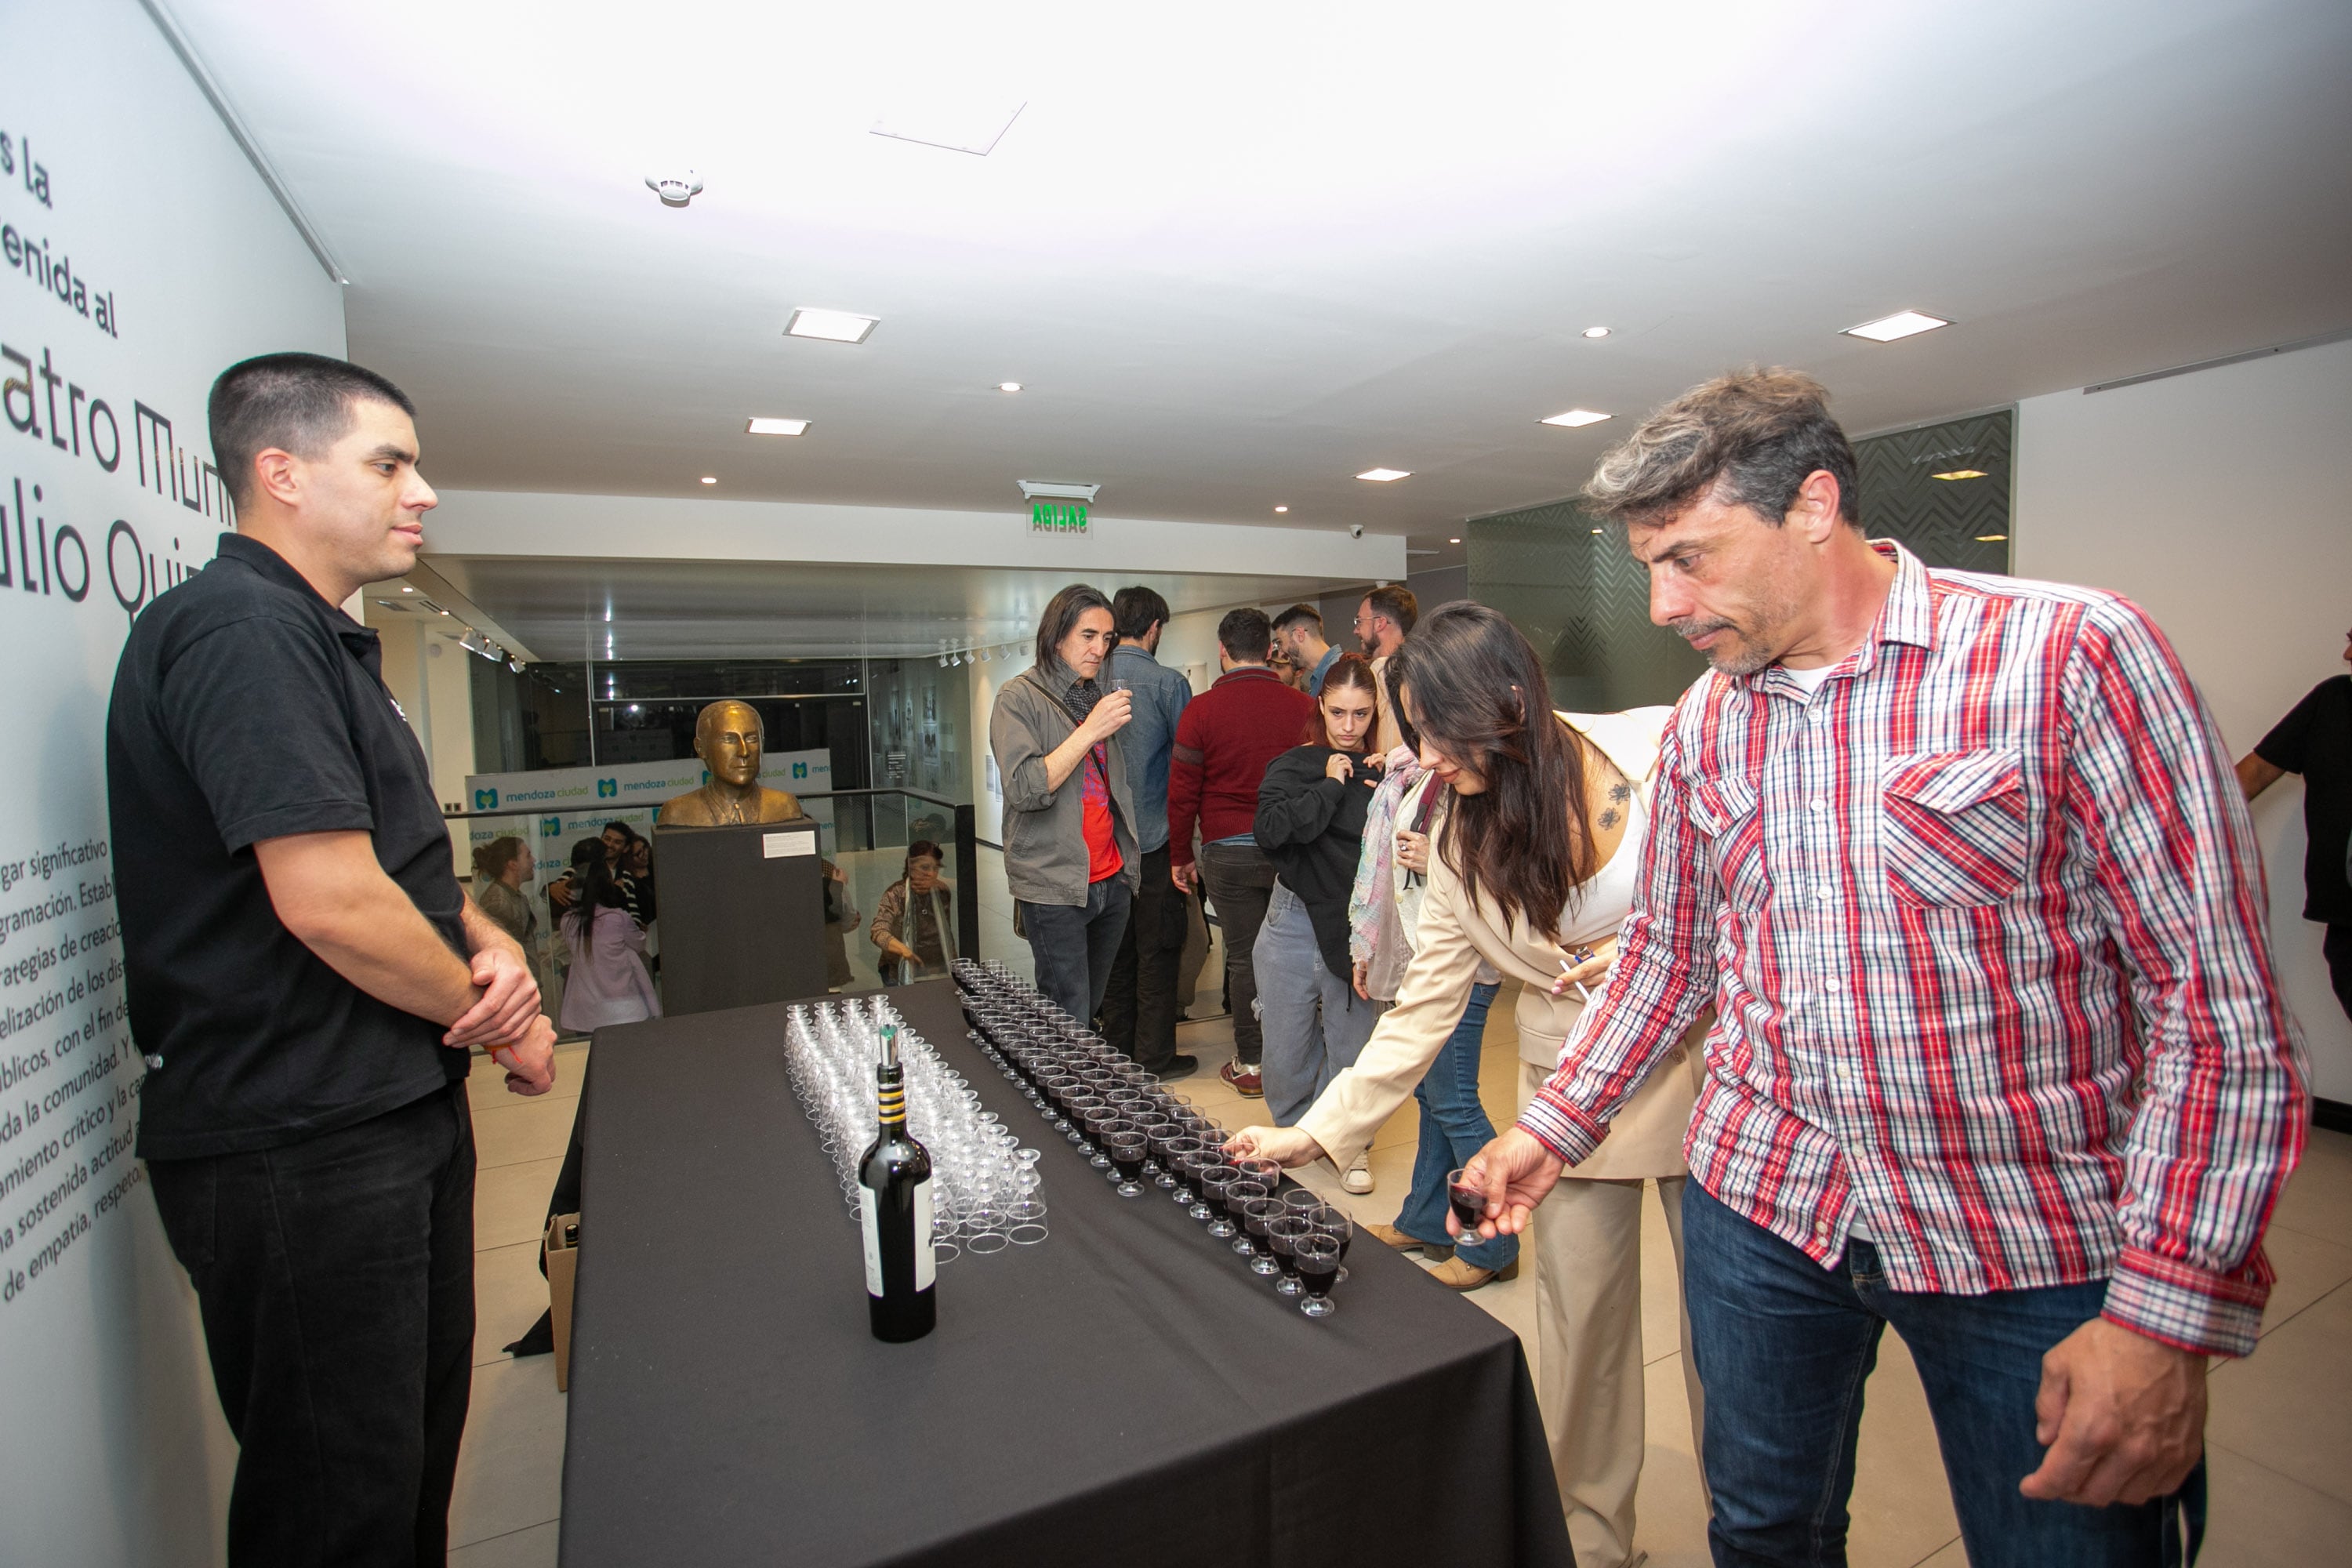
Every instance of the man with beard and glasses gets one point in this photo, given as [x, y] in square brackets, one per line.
[1998, 1056]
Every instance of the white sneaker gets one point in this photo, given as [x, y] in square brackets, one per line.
[1358, 1178]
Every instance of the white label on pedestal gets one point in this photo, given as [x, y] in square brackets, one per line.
[782, 845]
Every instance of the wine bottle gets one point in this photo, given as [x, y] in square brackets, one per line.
[895, 1212]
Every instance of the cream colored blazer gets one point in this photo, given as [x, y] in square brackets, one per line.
[1645, 1139]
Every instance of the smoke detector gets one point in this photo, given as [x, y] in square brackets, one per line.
[674, 190]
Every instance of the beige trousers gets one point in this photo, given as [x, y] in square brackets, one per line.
[1589, 1379]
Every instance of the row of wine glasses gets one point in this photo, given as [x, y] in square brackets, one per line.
[1149, 1139]
[984, 1185]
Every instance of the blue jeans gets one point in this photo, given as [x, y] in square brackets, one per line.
[1783, 1347]
[1073, 945]
[1454, 1126]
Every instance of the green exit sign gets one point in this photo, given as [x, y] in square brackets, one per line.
[1057, 516]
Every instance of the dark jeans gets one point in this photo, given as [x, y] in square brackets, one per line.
[1240, 880]
[1784, 1346]
[1138, 1009]
[1073, 945]
[1454, 1126]
[336, 1280]
[2337, 945]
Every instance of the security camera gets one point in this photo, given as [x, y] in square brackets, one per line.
[1355, 531]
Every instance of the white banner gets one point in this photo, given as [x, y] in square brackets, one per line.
[139, 255]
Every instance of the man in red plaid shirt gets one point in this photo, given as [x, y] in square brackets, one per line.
[1998, 1056]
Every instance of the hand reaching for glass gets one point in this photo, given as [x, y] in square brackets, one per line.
[1513, 1173]
[1285, 1146]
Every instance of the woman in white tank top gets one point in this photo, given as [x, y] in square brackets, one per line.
[1469, 679]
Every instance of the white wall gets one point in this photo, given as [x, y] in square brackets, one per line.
[2217, 501]
[431, 677]
[111, 1445]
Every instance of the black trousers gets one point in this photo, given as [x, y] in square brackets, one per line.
[1240, 880]
[1138, 1007]
[336, 1280]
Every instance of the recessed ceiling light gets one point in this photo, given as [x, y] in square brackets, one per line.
[1008, 386]
[1384, 476]
[1959, 474]
[1902, 324]
[1452, 541]
[1282, 508]
[406, 589]
[710, 479]
[1574, 417]
[777, 426]
[833, 326]
[1596, 530]
[1991, 538]
[1596, 332]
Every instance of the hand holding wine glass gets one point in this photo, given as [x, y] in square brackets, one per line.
[1513, 1173]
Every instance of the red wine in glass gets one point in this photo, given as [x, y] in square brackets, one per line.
[1240, 1192]
[1258, 1217]
[1212, 1179]
[1319, 1270]
[1469, 1202]
[1283, 1235]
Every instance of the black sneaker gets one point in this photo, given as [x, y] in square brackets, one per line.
[1178, 1066]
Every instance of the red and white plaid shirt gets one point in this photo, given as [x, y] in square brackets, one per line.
[1982, 921]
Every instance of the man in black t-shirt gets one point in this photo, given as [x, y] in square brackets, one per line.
[2316, 740]
[306, 979]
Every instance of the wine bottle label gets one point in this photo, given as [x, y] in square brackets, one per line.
[925, 1263]
[873, 1229]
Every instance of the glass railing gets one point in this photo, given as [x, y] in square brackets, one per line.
[864, 831]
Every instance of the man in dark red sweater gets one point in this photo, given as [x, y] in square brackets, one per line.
[1225, 741]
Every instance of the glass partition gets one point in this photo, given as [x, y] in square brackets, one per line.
[528, 855]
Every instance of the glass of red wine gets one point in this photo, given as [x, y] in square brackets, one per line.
[1469, 1202]
[1240, 1192]
[1124, 1142]
[1258, 1223]
[1331, 1220]
[1283, 1235]
[1317, 1258]
[1213, 1180]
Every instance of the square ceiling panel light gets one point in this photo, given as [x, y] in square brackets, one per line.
[759, 427]
[968, 125]
[1384, 476]
[833, 326]
[1574, 417]
[1902, 324]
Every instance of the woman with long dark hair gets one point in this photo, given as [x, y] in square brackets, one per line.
[608, 982]
[1310, 823]
[1532, 869]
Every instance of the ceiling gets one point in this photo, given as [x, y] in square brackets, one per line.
[1236, 254]
[571, 610]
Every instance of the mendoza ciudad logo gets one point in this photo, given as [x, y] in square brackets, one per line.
[486, 800]
[606, 789]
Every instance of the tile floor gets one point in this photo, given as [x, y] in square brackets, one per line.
[2279, 1440]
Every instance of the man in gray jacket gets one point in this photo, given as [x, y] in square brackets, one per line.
[1070, 851]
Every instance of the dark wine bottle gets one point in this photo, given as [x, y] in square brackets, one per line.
[895, 1211]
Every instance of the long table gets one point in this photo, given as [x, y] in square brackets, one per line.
[1126, 1392]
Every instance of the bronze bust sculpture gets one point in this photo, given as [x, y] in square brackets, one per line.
[727, 738]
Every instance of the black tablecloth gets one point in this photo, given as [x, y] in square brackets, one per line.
[1125, 1393]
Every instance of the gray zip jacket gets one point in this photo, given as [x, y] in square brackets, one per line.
[1045, 829]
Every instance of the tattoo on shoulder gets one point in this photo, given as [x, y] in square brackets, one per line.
[1621, 792]
[1609, 818]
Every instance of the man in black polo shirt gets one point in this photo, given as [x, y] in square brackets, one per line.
[2316, 740]
[305, 977]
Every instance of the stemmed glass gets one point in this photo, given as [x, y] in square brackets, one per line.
[1178, 1160]
[1214, 1179]
[1239, 1194]
[1124, 1142]
[1258, 1216]
[1318, 1261]
[1283, 1235]
[1331, 1220]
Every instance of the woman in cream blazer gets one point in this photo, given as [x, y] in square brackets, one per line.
[1588, 1232]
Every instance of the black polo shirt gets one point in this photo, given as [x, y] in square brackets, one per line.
[246, 707]
[2316, 740]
